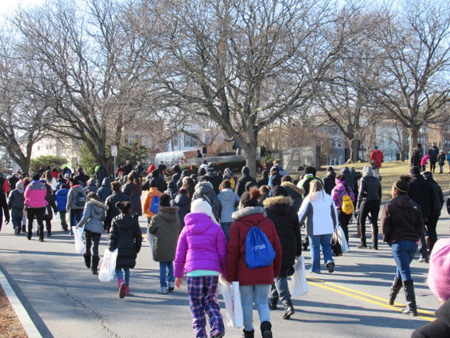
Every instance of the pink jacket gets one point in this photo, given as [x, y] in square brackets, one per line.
[35, 195]
[338, 193]
[201, 246]
[423, 161]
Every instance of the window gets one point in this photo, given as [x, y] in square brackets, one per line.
[447, 143]
[131, 139]
[190, 141]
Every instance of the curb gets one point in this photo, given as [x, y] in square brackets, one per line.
[21, 312]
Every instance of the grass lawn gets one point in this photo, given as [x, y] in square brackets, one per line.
[391, 171]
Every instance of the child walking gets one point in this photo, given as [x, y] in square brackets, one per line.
[201, 254]
[61, 202]
[127, 237]
[16, 202]
[165, 226]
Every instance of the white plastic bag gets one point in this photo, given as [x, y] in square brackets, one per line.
[80, 247]
[341, 239]
[108, 266]
[232, 298]
[299, 286]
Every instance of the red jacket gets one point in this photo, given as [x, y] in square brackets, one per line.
[377, 157]
[236, 268]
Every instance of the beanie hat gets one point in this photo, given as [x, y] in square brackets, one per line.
[279, 191]
[200, 205]
[228, 171]
[439, 273]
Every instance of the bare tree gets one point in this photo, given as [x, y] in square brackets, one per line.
[91, 66]
[416, 45]
[242, 64]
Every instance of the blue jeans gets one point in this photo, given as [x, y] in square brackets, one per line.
[166, 273]
[404, 252]
[317, 242]
[16, 217]
[254, 294]
[280, 290]
[119, 275]
[226, 229]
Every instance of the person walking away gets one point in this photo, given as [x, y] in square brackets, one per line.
[280, 210]
[105, 190]
[448, 161]
[133, 189]
[369, 201]
[100, 174]
[254, 284]
[50, 180]
[421, 192]
[240, 186]
[433, 152]
[205, 190]
[439, 284]
[441, 161]
[81, 177]
[294, 192]
[415, 158]
[173, 184]
[92, 222]
[183, 203]
[320, 212]
[61, 203]
[162, 167]
[402, 226]
[165, 226]
[308, 177]
[127, 237]
[16, 201]
[92, 186]
[75, 203]
[35, 203]
[51, 206]
[111, 201]
[376, 158]
[212, 177]
[153, 191]
[201, 254]
[329, 180]
[228, 174]
[438, 202]
[229, 200]
[339, 191]
[3, 202]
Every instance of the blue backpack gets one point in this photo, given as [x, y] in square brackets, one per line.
[154, 207]
[259, 252]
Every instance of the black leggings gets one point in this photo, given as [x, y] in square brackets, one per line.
[92, 238]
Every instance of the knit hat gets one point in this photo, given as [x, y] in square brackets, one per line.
[200, 205]
[439, 273]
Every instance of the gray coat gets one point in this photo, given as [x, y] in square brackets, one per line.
[229, 200]
[71, 198]
[165, 225]
[93, 216]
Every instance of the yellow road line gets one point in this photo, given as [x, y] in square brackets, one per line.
[361, 296]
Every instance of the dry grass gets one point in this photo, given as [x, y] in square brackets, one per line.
[10, 325]
[391, 171]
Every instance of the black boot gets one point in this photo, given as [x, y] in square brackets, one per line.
[395, 288]
[248, 334]
[374, 243]
[273, 303]
[24, 228]
[363, 244]
[266, 330]
[95, 260]
[288, 309]
[87, 259]
[411, 307]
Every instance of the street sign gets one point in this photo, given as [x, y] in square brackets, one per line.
[114, 151]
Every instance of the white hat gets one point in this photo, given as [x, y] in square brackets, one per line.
[200, 205]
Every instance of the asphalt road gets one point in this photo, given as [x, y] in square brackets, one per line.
[65, 300]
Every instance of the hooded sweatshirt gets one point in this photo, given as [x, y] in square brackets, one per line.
[369, 187]
[16, 198]
[202, 246]
[93, 216]
[105, 189]
[229, 201]
[205, 191]
[165, 225]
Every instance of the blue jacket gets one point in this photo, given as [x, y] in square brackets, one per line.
[61, 199]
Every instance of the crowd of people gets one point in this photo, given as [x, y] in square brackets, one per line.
[199, 225]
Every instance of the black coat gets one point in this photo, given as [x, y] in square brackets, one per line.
[440, 328]
[184, 206]
[213, 178]
[279, 209]
[117, 196]
[421, 192]
[329, 182]
[127, 237]
[240, 186]
[295, 193]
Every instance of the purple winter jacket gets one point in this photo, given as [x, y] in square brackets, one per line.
[201, 246]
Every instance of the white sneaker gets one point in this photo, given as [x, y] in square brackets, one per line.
[163, 290]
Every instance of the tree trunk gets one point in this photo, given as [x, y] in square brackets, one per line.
[413, 132]
[354, 151]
